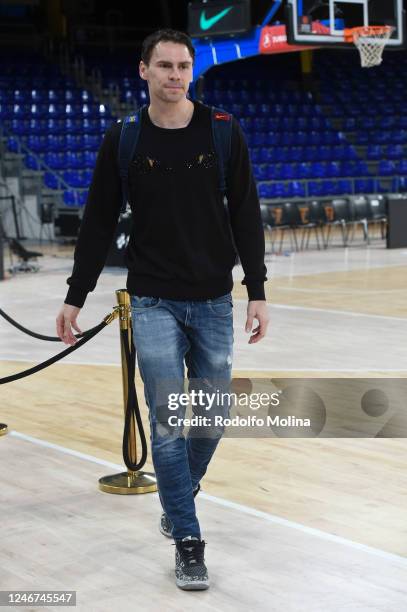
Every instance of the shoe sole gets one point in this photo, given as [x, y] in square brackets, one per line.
[192, 586]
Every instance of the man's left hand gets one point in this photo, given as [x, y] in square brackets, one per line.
[257, 309]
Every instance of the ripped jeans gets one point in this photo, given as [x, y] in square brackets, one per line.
[166, 332]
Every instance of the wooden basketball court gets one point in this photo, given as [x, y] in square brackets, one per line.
[304, 524]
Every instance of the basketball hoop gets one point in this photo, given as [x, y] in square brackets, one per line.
[370, 41]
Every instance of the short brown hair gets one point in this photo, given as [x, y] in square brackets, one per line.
[166, 35]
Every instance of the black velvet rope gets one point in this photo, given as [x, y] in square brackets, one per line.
[41, 336]
[132, 406]
[41, 366]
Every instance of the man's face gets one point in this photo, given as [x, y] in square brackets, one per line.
[169, 72]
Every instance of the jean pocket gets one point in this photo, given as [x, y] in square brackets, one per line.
[143, 302]
[222, 306]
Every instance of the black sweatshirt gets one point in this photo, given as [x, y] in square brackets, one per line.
[181, 243]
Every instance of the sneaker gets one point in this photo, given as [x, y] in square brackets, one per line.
[165, 525]
[191, 573]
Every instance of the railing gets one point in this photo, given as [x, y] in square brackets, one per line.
[62, 184]
[394, 181]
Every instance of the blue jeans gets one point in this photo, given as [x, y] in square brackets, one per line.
[165, 333]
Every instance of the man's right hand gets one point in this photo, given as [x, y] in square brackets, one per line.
[66, 320]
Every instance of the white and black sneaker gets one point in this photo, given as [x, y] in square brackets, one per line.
[165, 525]
[191, 573]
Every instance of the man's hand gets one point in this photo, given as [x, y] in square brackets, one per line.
[257, 309]
[66, 319]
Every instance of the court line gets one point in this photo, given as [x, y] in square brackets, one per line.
[274, 370]
[64, 363]
[330, 311]
[370, 292]
[333, 370]
[272, 518]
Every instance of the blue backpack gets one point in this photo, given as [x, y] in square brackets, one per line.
[222, 138]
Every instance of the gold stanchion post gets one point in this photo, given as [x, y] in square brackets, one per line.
[3, 429]
[128, 483]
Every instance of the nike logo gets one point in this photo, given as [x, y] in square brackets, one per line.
[206, 24]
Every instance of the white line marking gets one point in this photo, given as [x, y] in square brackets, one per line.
[237, 369]
[63, 363]
[370, 292]
[333, 370]
[232, 505]
[330, 311]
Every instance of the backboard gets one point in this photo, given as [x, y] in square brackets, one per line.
[322, 22]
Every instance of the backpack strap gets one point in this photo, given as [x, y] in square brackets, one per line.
[127, 146]
[222, 138]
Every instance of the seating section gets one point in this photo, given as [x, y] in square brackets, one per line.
[350, 138]
[57, 126]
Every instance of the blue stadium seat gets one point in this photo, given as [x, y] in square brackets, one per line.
[381, 137]
[304, 170]
[401, 184]
[50, 180]
[298, 189]
[387, 123]
[74, 159]
[82, 197]
[47, 126]
[20, 96]
[87, 177]
[32, 162]
[54, 96]
[90, 126]
[74, 178]
[13, 144]
[20, 126]
[89, 159]
[70, 198]
[374, 152]
[394, 152]
[265, 190]
[333, 169]
[364, 138]
[364, 186]
[56, 142]
[37, 96]
[258, 139]
[56, 161]
[52, 111]
[315, 188]
[39, 144]
[399, 136]
[273, 123]
[260, 172]
[386, 168]
[350, 124]
[237, 110]
[318, 170]
[344, 187]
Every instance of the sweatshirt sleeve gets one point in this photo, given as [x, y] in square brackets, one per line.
[98, 224]
[245, 216]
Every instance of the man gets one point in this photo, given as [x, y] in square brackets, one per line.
[180, 258]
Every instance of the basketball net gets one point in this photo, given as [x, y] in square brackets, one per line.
[370, 41]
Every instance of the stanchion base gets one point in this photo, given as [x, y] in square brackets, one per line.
[129, 483]
[3, 429]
